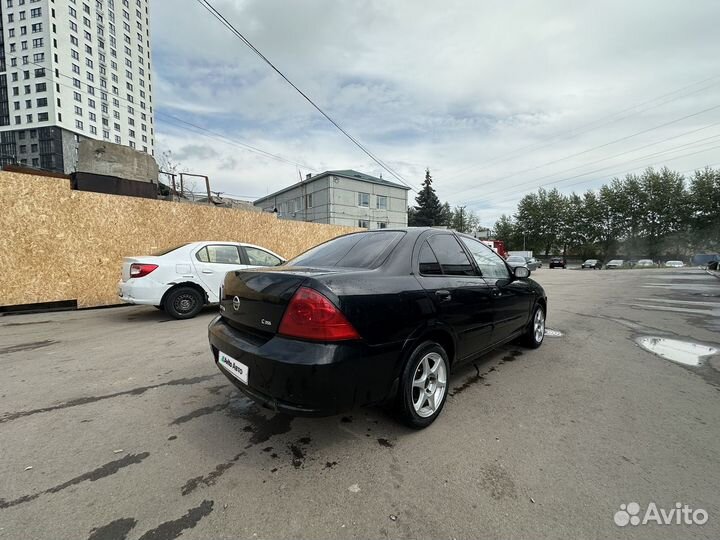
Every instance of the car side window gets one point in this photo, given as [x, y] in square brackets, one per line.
[202, 255]
[260, 257]
[429, 265]
[219, 254]
[490, 263]
[451, 256]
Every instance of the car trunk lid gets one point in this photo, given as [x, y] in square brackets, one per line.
[255, 300]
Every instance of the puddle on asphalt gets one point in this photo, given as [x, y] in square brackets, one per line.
[549, 332]
[682, 352]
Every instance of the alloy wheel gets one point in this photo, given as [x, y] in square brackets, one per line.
[539, 325]
[429, 384]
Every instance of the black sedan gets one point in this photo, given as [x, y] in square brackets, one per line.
[592, 263]
[371, 317]
[557, 262]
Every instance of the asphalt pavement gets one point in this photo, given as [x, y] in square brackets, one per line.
[114, 423]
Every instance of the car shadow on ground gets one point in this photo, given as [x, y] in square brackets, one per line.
[150, 314]
[232, 428]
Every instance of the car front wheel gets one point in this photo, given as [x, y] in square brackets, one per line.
[535, 332]
[183, 303]
[423, 385]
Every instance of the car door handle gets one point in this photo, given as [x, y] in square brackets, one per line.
[443, 295]
[496, 292]
[206, 271]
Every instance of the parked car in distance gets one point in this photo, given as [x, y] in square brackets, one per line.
[370, 317]
[703, 259]
[557, 262]
[516, 260]
[614, 264]
[592, 263]
[183, 279]
[532, 263]
[674, 264]
[645, 263]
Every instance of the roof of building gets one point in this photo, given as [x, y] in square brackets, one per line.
[349, 173]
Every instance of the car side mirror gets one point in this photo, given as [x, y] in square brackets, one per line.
[521, 272]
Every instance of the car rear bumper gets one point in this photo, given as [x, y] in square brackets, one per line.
[137, 291]
[304, 378]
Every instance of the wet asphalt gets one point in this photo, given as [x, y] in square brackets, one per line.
[114, 423]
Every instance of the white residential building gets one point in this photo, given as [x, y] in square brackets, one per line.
[71, 69]
[344, 197]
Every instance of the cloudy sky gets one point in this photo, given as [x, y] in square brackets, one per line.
[496, 98]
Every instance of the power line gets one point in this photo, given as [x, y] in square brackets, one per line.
[669, 150]
[215, 135]
[594, 125]
[215, 13]
[615, 173]
[665, 124]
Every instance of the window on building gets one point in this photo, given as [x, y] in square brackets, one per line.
[43, 117]
[382, 201]
[35, 162]
[36, 12]
[309, 200]
[382, 225]
[364, 200]
[364, 223]
[78, 124]
[41, 87]
[34, 147]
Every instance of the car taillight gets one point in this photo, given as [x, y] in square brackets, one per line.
[310, 315]
[140, 270]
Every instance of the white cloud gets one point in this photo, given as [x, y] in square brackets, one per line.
[449, 86]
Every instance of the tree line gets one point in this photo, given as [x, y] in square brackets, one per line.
[656, 214]
[430, 212]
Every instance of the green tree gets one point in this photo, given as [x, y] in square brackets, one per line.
[446, 216]
[704, 209]
[464, 220]
[505, 230]
[428, 212]
[664, 208]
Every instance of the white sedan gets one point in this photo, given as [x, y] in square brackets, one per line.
[183, 279]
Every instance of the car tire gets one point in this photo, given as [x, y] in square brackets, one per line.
[535, 333]
[183, 302]
[423, 385]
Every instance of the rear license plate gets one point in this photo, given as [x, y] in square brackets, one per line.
[235, 368]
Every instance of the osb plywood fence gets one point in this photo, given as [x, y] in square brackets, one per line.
[58, 244]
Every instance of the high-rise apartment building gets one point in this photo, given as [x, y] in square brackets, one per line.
[73, 69]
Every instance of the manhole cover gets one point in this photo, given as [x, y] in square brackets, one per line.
[549, 332]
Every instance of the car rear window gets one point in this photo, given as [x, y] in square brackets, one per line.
[360, 250]
[168, 250]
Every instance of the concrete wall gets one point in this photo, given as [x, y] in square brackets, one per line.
[102, 157]
[58, 244]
